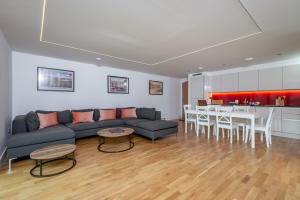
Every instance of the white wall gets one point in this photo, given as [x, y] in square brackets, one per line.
[5, 92]
[90, 88]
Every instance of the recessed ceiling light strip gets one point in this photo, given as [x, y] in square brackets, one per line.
[43, 20]
[93, 52]
[143, 63]
[249, 15]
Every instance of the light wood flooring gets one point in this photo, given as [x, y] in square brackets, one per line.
[190, 168]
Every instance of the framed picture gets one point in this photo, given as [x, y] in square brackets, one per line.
[156, 88]
[117, 85]
[49, 79]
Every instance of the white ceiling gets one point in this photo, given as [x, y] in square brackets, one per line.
[168, 37]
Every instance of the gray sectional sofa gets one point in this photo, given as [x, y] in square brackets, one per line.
[25, 138]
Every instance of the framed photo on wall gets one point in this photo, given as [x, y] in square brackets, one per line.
[117, 85]
[156, 87]
[49, 79]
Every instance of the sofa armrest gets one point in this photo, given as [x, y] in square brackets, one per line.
[157, 115]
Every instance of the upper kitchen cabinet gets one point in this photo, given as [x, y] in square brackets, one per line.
[291, 76]
[248, 80]
[196, 87]
[215, 83]
[229, 82]
[270, 79]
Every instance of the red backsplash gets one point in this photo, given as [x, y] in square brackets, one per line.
[292, 97]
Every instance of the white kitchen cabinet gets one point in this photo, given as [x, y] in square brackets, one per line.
[270, 79]
[196, 88]
[229, 82]
[291, 122]
[248, 80]
[291, 76]
[216, 83]
[276, 120]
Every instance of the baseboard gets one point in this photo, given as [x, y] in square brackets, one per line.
[2, 155]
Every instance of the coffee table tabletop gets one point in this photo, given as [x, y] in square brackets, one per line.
[53, 151]
[113, 132]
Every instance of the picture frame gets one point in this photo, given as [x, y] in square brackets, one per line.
[117, 85]
[59, 80]
[156, 87]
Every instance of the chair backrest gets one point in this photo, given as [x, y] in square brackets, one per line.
[213, 107]
[269, 120]
[202, 113]
[187, 107]
[241, 108]
[224, 115]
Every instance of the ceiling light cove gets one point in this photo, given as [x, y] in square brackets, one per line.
[157, 47]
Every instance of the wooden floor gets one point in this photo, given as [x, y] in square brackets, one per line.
[190, 168]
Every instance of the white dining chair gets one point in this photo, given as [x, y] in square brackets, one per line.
[263, 128]
[240, 122]
[203, 119]
[224, 121]
[189, 118]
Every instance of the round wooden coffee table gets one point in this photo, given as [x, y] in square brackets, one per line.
[52, 153]
[116, 132]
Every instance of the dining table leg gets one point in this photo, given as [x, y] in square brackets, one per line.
[185, 123]
[253, 132]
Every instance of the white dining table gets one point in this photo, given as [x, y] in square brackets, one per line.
[241, 115]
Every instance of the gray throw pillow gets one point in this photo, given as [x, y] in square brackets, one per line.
[146, 113]
[32, 121]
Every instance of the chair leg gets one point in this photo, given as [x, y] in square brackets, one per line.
[10, 165]
[231, 135]
[197, 130]
[217, 132]
[208, 131]
[246, 135]
[223, 133]
[267, 140]
[191, 125]
[270, 138]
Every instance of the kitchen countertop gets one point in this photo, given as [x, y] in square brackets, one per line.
[264, 106]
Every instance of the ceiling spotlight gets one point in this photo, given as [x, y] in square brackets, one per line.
[200, 67]
[249, 59]
[98, 58]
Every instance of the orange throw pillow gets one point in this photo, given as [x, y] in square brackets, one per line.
[128, 113]
[46, 120]
[107, 114]
[81, 117]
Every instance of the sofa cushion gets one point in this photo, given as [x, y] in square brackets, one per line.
[47, 120]
[83, 126]
[96, 115]
[63, 116]
[19, 124]
[32, 121]
[146, 113]
[157, 125]
[134, 121]
[107, 114]
[119, 112]
[50, 134]
[128, 113]
[108, 123]
[82, 117]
